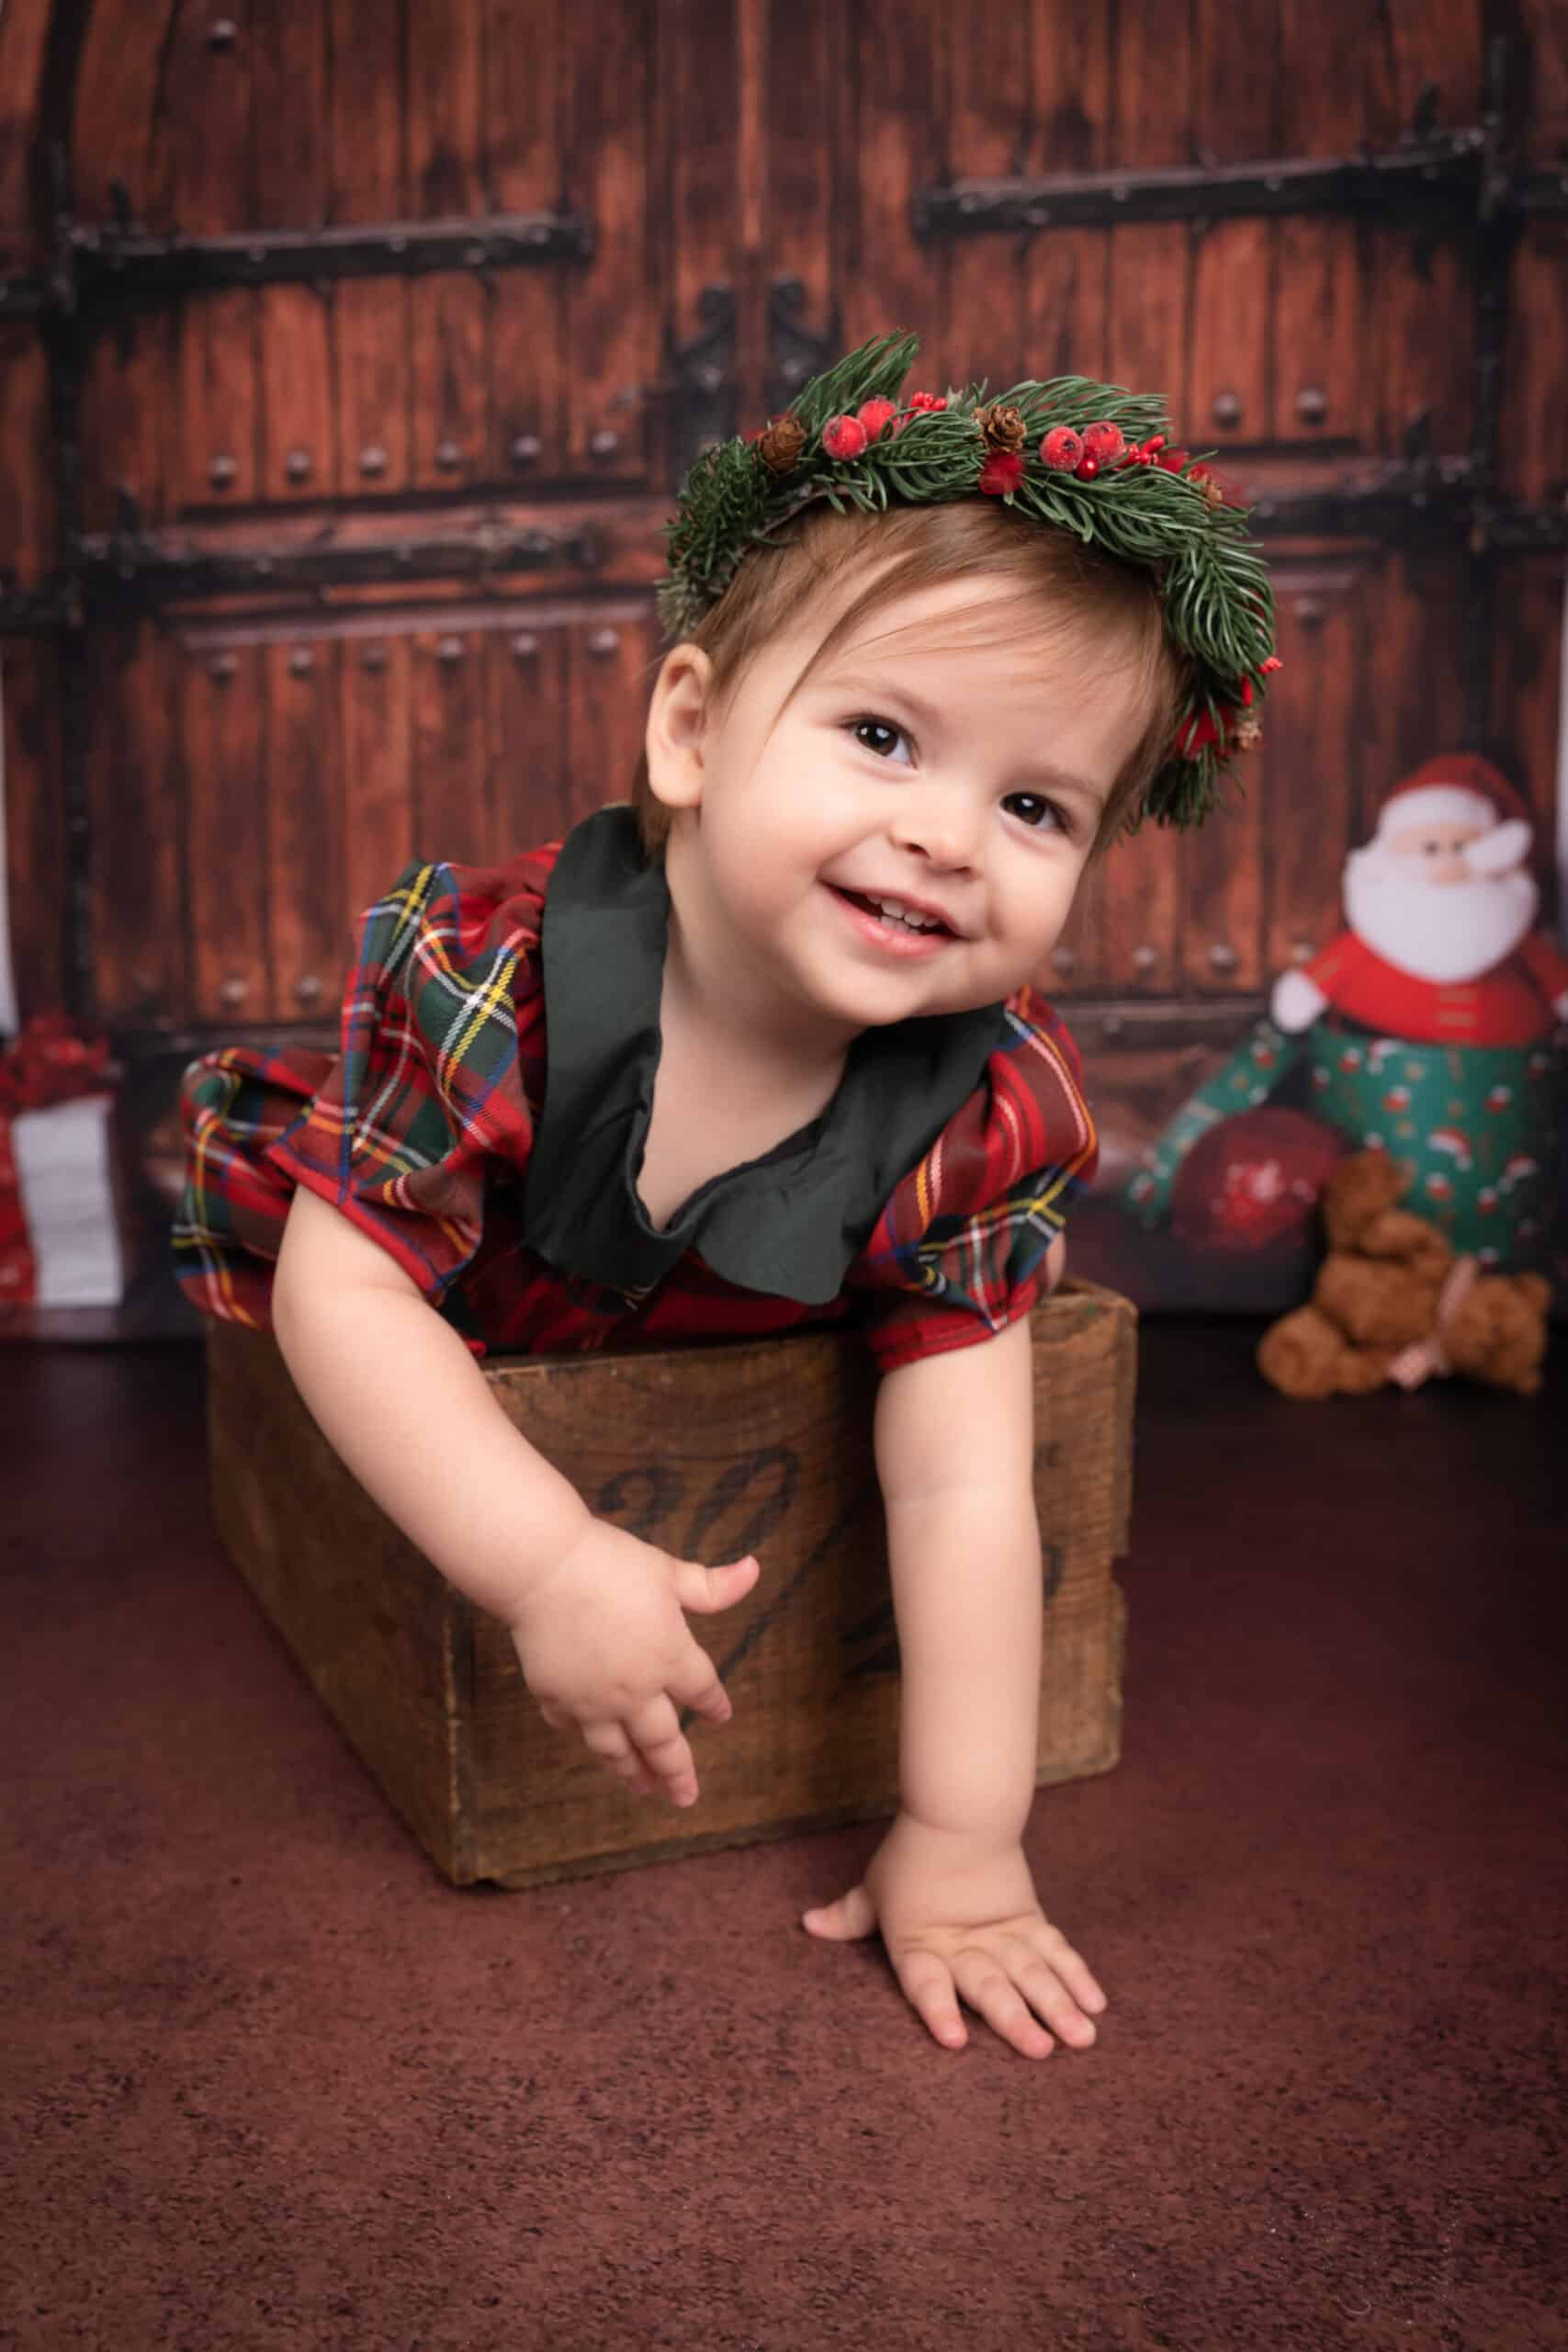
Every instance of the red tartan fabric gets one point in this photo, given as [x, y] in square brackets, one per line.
[419, 1130]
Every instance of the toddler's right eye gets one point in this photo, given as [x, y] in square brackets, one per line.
[864, 728]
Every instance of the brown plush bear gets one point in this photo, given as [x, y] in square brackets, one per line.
[1392, 1302]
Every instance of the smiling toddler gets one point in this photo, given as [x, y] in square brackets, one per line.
[763, 1048]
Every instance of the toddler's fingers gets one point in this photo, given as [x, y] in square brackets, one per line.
[711, 1589]
[1072, 1969]
[929, 1989]
[660, 1744]
[699, 1688]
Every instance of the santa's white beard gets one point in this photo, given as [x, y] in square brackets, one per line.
[1439, 930]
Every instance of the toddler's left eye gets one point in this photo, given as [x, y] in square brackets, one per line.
[1034, 810]
[878, 735]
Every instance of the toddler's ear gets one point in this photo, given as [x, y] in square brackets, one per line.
[677, 720]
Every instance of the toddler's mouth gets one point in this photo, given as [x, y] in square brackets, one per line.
[896, 913]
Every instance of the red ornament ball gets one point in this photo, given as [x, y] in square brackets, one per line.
[1062, 450]
[1087, 469]
[844, 436]
[1103, 443]
[1253, 1184]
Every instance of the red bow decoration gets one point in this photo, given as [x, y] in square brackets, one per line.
[49, 1061]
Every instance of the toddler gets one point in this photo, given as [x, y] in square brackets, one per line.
[762, 1049]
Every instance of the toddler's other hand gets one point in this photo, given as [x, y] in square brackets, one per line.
[604, 1645]
[962, 1921]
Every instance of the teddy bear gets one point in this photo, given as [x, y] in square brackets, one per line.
[1392, 1303]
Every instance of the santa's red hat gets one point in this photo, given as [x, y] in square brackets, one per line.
[1457, 787]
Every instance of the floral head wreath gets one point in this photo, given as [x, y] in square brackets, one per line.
[1085, 457]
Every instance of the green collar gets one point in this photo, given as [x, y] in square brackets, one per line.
[787, 1225]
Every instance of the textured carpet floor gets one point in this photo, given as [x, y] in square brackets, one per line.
[268, 2081]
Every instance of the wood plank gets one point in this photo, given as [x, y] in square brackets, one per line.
[450, 756]
[1544, 128]
[1419, 41]
[698, 73]
[27, 517]
[127, 402]
[1420, 293]
[525, 688]
[609, 323]
[809, 164]
[372, 374]
[450, 378]
[24, 39]
[304, 802]
[1150, 286]
[300, 458]
[220, 696]
[444, 117]
[376, 722]
[610, 665]
[1227, 397]
[522, 164]
[287, 47]
[982, 279]
[1320, 367]
[115, 111]
[1065, 271]
[1534, 420]
[201, 158]
[218, 357]
[367, 176]
[1411, 693]
[135, 873]
[897, 143]
[1304, 773]
[527, 405]
[1527, 700]
[35, 867]
[1125, 941]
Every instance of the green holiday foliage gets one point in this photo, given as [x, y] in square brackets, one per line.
[1214, 590]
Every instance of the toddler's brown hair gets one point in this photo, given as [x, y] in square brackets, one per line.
[1061, 591]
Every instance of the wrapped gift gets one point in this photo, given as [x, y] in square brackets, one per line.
[61, 1242]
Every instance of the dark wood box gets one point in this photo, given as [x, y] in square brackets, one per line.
[711, 1451]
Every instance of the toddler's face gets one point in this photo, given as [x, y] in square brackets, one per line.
[961, 782]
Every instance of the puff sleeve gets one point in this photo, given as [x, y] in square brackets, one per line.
[959, 1251]
[397, 1130]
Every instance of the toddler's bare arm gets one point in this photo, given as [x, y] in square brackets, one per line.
[594, 1613]
[403, 1403]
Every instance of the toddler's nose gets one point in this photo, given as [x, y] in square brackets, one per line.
[943, 825]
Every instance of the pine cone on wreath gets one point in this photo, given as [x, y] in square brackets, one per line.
[1002, 426]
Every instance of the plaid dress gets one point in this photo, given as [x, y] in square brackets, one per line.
[484, 1116]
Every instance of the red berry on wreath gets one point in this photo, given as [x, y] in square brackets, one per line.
[875, 415]
[1002, 472]
[1103, 443]
[844, 436]
[1087, 469]
[1062, 450]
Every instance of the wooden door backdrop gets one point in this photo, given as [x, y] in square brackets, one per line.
[349, 354]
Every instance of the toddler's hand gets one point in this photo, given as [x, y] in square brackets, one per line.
[962, 1921]
[604, 1645]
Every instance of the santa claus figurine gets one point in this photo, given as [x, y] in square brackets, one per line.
[1430, 1019]
[1441, 903]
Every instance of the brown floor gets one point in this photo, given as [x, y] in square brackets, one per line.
[268, 2081]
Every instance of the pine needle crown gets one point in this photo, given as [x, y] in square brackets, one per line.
[1083, 457]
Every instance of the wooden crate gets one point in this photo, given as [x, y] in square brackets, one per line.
[714, 1452]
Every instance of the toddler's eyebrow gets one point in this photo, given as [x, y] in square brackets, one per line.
[926, 716]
